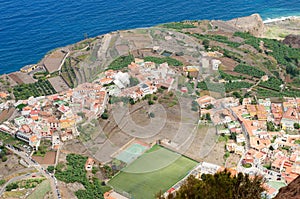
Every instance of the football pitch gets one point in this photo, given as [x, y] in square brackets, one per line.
[156, 170]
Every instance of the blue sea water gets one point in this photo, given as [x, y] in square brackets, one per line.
[30, 28]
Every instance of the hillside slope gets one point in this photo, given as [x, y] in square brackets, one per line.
[292, 191]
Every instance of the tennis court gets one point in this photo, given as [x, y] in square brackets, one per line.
[131, 153]
[157, 169]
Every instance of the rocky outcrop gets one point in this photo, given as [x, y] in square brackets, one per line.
[292, 191]
[292, 40]
[252, 24]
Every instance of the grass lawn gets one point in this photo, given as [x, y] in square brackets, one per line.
[41, 190]
[276, 185]
[157, 169]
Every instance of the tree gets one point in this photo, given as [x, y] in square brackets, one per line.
[133, 81]
[296, 125]
[207, 117]
[104, 116]
[270, 126]
[222, 185]
[50, 169]
[150, 102]
[236, 94]
[205, 43]
[195, 106]
[151, 115]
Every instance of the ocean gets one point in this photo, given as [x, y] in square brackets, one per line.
[29, 29]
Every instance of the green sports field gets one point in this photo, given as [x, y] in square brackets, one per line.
[157, 169]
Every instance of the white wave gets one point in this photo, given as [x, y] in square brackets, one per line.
[270, 20]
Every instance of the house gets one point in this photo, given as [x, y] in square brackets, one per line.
[191, 71]
[240, 138]
[55, 141]
[121, 80]
[28, 68]
[289, 103]
[205, 101]
[105, 81]
[66, 135]
[215, 64]
[277, 112]
[19, 121]
[89, 164]
[246, 101]
[3, 95]
[289, 118]
[264, 78]
[113, 195]
[149, 64]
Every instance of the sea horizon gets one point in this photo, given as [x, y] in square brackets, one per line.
[27, 35]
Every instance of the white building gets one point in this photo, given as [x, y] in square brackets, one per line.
[215, 64]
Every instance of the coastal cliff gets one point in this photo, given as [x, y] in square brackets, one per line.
[252, 24]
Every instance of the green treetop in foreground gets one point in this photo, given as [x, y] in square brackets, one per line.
[222, 185]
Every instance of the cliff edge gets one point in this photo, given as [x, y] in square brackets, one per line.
[292, 191]
[252, 24]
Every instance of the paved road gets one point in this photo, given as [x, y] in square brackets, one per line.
[41, 170]
[17, 178]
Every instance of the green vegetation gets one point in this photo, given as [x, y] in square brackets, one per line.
[68, 73]
[205, 43]
[2, 181]
[178, 25]
[247, 165]
[21, 106]
[215, 87]
[105, 115]
[226, 155]
[223, 138]
[272, 83]
[75, 172]
[8, 139]
[218, 38]
[43, 148]
[271, 126]
[114, 99]
[41, 190]
[220, 87]
[267, 166]
[232, 55]
[270, 93]
[121, 62]
[3, 153]
[237, 85]
[284, 54]
[221, 185]
[249, 39]
[11, 186]
[195, 106]
[249, 70]
[156, 170]
[160, 60]
[27, 184]
[50, 169]
[40, 75]
[133, 81]
[39, 88]
[228, 77]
